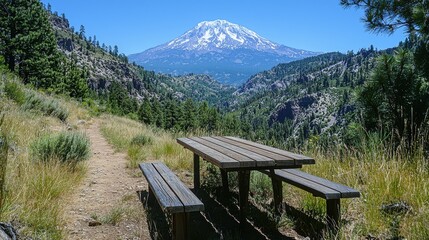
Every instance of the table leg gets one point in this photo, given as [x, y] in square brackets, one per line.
[277, 192]
[196, 172]
[225, 185]
[333, 212]
[243, 188]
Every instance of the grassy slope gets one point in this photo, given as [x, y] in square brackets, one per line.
[381, 178]
[35, 192]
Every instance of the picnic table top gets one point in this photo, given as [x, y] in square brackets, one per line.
[236, 153]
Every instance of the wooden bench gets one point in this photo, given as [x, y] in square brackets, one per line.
[172, 195]
[318, 186]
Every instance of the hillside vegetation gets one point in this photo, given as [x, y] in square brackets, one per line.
[37, 178]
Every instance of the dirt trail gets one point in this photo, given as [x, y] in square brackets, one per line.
[107, 194]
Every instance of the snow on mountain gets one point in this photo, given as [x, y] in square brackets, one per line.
[228, 51]
[220, 34]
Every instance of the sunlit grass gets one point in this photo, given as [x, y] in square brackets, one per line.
[120, 132]
[381, 179]
[35, 192]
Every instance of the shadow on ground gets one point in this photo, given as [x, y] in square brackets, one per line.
[220, 219]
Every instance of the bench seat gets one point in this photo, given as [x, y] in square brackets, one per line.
[318, 186]
[172, 195]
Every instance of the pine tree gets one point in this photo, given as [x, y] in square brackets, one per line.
[145, 112]
[28, 43]
[190, 120]
[82, 32]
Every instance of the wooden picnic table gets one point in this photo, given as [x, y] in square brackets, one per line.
[236, 154]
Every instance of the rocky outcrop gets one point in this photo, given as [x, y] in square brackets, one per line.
[66, 44]
[292, 108]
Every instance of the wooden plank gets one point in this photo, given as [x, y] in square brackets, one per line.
[262, 152]
[299, 159]
[166, 197]
[279, 159]
[261, 161]
[309, 186]
[244, 160]
[346, 192]
[190, 202]
[217, 158]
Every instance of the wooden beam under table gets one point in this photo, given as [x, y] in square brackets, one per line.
[196, 171]
[277, 192]
[225, 184]
[243, 189]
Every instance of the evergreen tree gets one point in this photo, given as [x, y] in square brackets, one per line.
[28, 43]
[157, 115]
[115, 50]
[74, 83]
[398, 94]
[82, 32]
[145, 112]
[190, 120]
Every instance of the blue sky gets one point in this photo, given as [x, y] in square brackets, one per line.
[136, 25]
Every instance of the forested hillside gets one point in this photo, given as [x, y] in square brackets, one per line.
[315, 97]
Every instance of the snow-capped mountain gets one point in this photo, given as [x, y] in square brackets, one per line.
[229, 52]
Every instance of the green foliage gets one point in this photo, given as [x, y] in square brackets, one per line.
[73, 82]
[67, 147]
[141, 140]
[394, 95]
[49, 107]
[14, 91]
[145, 112]
[29, 48]
[387, 15]
[27, 42]
[400, 82]
[119, 101]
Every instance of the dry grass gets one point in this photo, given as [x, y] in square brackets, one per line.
[381, 179]
[35, 192]
[120, 133]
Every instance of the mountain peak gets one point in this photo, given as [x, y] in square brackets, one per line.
[220, 34]
[229, 52]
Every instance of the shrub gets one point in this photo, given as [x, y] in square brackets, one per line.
[14, 91]
[47, 106]
[66, 147]
[141, 140]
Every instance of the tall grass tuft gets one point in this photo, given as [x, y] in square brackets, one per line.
[66, 147]
[49, 107]
[3, 162]
[14, 91]
[141, 140]
[122, 133]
